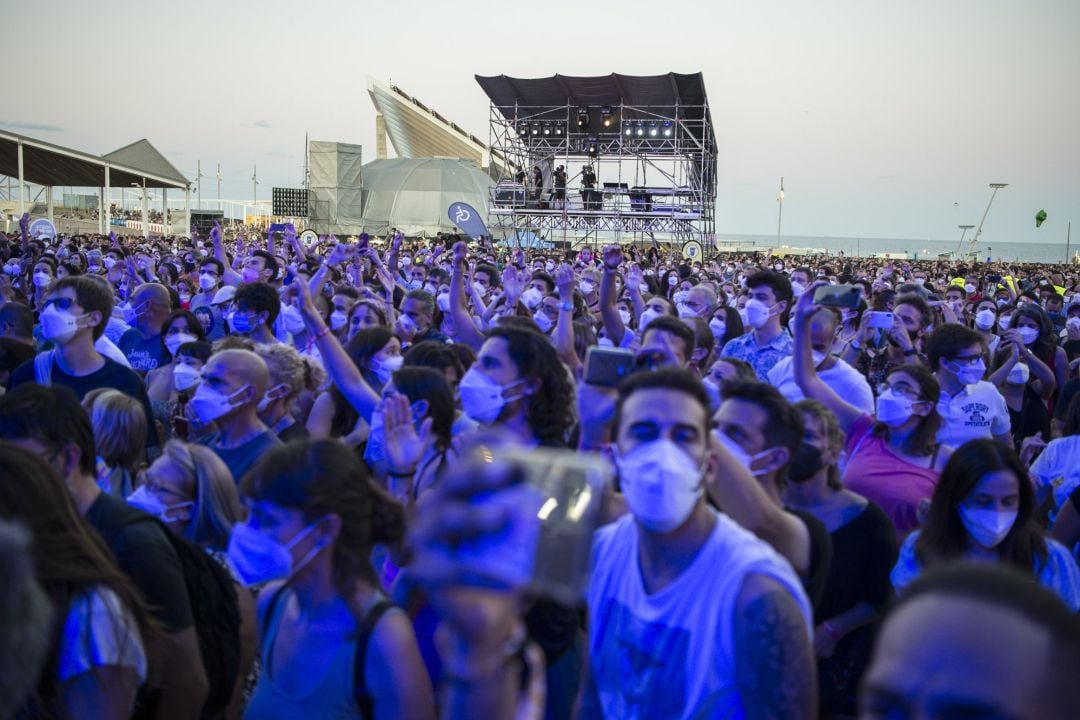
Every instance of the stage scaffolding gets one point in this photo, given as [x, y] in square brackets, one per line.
[649, 140]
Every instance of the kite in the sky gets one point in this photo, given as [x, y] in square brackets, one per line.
[1039, 218]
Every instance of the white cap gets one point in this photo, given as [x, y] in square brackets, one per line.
[223, 295]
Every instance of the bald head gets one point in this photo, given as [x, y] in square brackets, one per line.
[239, 368]
[156, 293]
[152, 304]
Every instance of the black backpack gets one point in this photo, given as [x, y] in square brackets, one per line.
[214, 608]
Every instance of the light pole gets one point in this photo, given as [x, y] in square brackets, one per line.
[198, 183]
[996, 187]
[963, 231]
[219, 186]
[780, 213]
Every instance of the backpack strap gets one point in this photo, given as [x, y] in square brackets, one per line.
[363, 698]
[43, 364]
[270, 607]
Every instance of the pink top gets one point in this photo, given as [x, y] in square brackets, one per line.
[878, 474]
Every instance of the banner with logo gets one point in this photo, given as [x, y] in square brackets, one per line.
[467, 220]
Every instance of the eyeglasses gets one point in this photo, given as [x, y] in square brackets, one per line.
[62, 303]
[904, 390]
[967, 360]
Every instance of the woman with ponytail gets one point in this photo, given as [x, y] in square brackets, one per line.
[330, 643]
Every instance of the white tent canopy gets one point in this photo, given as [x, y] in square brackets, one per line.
[413, 194]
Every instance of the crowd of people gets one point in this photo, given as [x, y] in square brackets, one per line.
[240, 475]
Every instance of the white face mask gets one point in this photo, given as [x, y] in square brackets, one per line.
[150, 504]
[685, 311]
[987, 527]
[1003, 322]
[984, 319]
[969, 288]
[797, 289]
[482, 398]
[647, 316]
[968, 374]
[58, 325]
[661, 484]
[42, 279]
[757, 313]
[680, 296]
[741, 456]
[109, 262]
[211, 405]
[443, 301]
[481, 291]
[1019, 374]
[385, 369]
[338, 320]
[718, 327]
[625, 316]
[173, 342]
[543, 321]
[531, 297]
[207, 282]
[1028, 335]
[893, 408]
[185, 377]
[292, 319]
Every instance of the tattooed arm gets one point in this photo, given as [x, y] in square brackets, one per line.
[775, 662]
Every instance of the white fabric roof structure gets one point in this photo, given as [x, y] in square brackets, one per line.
[417, 131]
[413, 194]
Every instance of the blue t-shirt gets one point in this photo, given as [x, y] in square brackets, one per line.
[144, 354]
[242, 458]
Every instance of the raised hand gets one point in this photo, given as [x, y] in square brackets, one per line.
[612, 256]
[513, 282]
[460, 250]
[395, 244]
[404, 444]
[565, 281]
[113, 239]
[215, 234]
[634, 279]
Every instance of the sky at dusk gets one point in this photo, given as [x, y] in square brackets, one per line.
[886, 119]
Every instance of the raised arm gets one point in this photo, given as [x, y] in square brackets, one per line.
[230, 276]
[563, 336]
[802, 363]
[613, 324]
[459, 311]
[338, 364]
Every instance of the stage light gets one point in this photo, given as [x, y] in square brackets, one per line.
[639, 130]
[628, 131]
[547, 129]
[582, 118]
[522, 129]
[653, 130]
[606, 118]
[534, 129]
[594, 147]
[669, 129]
[558, 130]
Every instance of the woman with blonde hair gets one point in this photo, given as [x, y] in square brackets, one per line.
[291, 374]
[119, 424]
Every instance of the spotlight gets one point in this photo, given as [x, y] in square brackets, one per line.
[669, 129]
[582, 118]
[547, 129]
[639, 130]
[653, 130]
[558, 130]
[628, 131]
[534, 129]
[594, 148]
[606, 118]
[522, 129]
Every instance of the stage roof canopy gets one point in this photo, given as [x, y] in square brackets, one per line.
[53, 165]
[651, 95]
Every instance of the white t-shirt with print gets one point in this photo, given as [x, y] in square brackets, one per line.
[977, 411]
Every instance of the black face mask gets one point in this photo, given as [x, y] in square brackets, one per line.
[807, 461]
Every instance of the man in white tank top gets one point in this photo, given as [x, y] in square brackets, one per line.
[690, 615]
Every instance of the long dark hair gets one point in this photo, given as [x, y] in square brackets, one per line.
[423, 383]
[550, 408]
[361, 348]
[70, 559]
[194, 327]
[924, 440]
[944, 538]
[1044, 346]
[322, 477]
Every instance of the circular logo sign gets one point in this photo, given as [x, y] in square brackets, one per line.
[692, 250]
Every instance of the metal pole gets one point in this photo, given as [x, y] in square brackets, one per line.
[219, 186]
[198, 180]
[108, 201]
[254, 185]
[22, 184]
[960, 245]
[145, 212]
[780, 214]
[996, 187]
[49, 202]
[187, 211]
[165, 211]
[1068, 236]
[101, 210]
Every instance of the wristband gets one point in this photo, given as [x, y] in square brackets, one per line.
[566, 306]
[323, 333]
